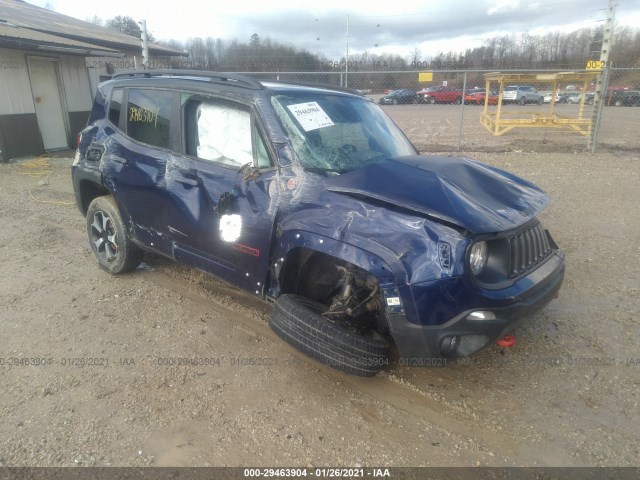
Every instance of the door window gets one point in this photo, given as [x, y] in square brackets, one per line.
[148, 116]
[222, 133]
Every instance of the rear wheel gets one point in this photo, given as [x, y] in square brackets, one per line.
[540, 100]
[109, 238]
[522, 101]
[431, 100]
[457, 101]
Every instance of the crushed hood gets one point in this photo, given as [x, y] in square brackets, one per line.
[463, 192]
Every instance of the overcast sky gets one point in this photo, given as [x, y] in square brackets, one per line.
[388, 26]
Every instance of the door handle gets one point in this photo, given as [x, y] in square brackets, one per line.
[187, 181]
[117, 159]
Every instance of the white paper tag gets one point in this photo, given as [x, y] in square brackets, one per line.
[393, 301]
[310, 115]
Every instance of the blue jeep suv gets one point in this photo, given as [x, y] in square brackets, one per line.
[312, 198]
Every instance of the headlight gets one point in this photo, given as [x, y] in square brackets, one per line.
[478, 257]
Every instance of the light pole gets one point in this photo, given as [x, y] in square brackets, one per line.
[346, 63]
[145, 47]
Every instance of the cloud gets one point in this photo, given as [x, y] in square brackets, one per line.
[322, 27]
[502, 5]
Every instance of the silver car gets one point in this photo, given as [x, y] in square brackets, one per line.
[521, 94]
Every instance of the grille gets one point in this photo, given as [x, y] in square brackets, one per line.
[527, 248]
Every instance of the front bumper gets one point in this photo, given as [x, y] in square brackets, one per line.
[433, 345]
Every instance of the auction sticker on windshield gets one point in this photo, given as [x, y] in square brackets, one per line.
[310, 115]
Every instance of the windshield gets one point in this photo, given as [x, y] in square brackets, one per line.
[339, 133]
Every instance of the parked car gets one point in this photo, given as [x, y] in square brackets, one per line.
[398, 96]
[521, 94]
[625, 98]
[568, 97]
[442, 95]
[548, 96]
[313, 199]
[478, 98]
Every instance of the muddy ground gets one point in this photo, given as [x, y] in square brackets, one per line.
[81, 383]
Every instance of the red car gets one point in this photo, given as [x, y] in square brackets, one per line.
[477, 98]
[442, 95]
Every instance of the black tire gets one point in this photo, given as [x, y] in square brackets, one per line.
[297, 321]
[394, 102]
[109, 239]
[540, 100]
[522, 101]
[432, 100]
[457, 101]
[618, 103]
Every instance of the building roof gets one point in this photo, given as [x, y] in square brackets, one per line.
[23, 38]
[17, 13]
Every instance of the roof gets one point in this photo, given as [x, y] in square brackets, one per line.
[18, 13]
[229, 79]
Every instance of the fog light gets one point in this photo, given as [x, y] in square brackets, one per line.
[449, 345]
[481, 316]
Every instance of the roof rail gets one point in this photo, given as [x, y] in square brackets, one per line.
[318, 85]
[239, 80]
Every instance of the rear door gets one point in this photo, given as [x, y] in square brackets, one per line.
[224, 192]
[135, 162]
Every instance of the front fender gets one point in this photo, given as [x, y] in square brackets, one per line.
[293, 240]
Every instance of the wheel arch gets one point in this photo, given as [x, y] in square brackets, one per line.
[88, 191]
[296, 247]
[309, 269]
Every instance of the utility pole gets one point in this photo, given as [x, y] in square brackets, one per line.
[346, 64]
[602, 82]
[145, 47]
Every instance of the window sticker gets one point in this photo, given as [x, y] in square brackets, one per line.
[310, 115]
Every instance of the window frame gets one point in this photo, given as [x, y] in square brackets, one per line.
[257, 131]
[122, 104]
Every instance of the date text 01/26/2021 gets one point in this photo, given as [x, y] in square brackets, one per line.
[325, 472]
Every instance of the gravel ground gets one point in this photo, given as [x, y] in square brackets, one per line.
[567, 394]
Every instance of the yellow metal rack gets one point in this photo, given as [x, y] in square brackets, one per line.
[500, 121]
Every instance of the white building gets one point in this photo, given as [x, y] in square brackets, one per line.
[50, 65]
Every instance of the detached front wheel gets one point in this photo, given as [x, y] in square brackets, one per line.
[109, 238]
[299, 321]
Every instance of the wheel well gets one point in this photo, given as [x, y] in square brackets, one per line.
[90, 191]
[302, 264]
[320, 277]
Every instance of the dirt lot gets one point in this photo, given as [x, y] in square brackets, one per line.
[566, 394]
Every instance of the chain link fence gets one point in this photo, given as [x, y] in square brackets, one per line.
[539, 111]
